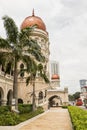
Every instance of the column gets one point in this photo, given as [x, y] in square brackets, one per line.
[3, 102]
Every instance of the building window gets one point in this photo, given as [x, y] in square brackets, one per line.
[40, 95]
[21, 70]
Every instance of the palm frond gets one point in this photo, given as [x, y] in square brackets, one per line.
[37, 54]
[4, 44]
[28, 80]
[11, 29]
[24, 34]
[32, 43]
[43, 75]
[6, 60]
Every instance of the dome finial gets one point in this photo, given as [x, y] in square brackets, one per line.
[33, 12]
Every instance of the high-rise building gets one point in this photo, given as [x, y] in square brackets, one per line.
[54, 67]
[83, 82]
[54, 74]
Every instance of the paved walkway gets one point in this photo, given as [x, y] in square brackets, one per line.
[53, 119]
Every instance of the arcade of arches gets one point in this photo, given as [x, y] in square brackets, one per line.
[44, 96]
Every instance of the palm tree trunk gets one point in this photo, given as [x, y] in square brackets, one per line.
[15, 85]
[33, 102]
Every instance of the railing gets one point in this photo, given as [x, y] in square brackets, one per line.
[40, 101]
[7, 76]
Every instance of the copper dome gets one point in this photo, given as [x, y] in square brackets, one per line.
[33, 20]
[55, 76]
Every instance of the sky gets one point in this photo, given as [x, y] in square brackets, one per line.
[66, 22]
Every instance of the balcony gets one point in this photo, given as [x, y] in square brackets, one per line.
[5, 76]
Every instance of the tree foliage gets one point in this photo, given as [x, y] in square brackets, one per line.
[16, 47]
[73, 97]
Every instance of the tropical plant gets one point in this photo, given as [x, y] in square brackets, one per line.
[8, 118]
[73, 97]
[32, 72]
[17, 46]
[76, 95]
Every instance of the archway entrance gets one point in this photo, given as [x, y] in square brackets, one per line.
[1, 95]
[20, 101]
[9, 97]
[55, 101]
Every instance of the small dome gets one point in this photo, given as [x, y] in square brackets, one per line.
[55, 76]
[33, 20]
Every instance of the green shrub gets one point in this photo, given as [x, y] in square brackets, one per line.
[8, 118]
[24, 108]
[65, 107]
[4, 109]
[78, 118]
[31, 114]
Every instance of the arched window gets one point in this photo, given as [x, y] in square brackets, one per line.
[2, 69]
[1, 95]
[9, 97]
[40, 95]
[21, 70]
[20, 101]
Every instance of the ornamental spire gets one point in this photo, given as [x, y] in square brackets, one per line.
[33, 13]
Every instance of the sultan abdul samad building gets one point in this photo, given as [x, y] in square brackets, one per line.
[45, 93]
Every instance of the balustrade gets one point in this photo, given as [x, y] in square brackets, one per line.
[7, 76]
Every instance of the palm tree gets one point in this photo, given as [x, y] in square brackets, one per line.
[32, 72]
[17, 46]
